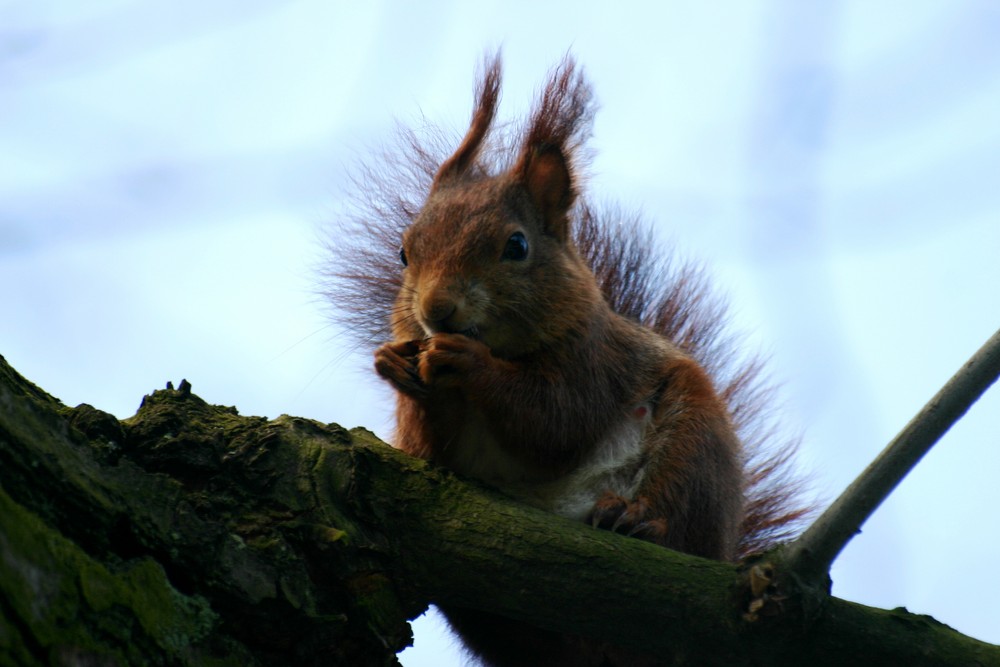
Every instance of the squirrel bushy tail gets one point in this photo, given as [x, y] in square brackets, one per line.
[639, 278]
[646, 282]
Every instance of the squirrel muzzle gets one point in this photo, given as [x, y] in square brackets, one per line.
[447, 309]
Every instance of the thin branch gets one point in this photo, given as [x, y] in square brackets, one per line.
[812, 554]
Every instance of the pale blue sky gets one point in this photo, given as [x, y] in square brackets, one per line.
[165, 168]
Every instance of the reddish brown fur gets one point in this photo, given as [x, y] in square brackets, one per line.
[487, 94]
[521, 370]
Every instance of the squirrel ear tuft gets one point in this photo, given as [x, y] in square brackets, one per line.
[559, 123]
[547, 178]
[487, 97]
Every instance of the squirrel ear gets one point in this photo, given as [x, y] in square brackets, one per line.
[487, 96]
[546, 176]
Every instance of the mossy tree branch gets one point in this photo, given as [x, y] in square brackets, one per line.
[191, 535]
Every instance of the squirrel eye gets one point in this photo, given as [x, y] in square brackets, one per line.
[402, 256]
[516, 248]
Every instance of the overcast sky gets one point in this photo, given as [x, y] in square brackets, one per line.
[166, 169]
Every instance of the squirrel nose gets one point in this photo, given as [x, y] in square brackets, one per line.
[436, 307]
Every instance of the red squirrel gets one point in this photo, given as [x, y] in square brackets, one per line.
[533, 348]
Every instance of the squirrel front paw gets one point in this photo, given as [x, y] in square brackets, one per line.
[448, 360]
[397, 363]
[634, 518]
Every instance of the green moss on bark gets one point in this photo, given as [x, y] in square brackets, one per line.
[60, 602]
[191, 535]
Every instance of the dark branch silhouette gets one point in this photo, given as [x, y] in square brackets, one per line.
[191, 535]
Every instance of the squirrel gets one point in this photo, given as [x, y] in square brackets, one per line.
[534, 348]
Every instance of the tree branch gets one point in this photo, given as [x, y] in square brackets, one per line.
[189, 535]
[810, 556]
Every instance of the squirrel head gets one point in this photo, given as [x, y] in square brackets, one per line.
[492, 256]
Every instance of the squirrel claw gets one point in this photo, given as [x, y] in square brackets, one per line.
[631, 518]
[606, 511]
[396, 362]
[651, 531]
[446, 359]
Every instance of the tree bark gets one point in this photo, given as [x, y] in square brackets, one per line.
[191, 535]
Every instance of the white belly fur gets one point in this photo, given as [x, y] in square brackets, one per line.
[613, 466]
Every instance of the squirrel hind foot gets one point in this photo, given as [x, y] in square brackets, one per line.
[633, 518]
